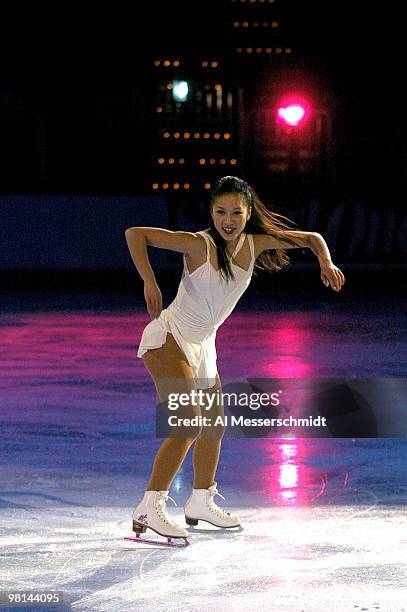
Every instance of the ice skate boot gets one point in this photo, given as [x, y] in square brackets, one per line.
[201, 507]
[151, 513]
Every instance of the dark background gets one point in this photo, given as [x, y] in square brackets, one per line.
[76, 123]
[87, 77]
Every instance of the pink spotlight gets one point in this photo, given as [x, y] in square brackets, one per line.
[292, 114]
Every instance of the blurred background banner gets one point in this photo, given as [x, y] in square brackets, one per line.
[89, 234]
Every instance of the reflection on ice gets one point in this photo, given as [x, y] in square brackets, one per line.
[324, 520]
[309, 535]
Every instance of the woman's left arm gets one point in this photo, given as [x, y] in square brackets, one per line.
[330, 274]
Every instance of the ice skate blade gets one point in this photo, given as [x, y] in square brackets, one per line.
[139, 528]
[193, 522]
[169, 543]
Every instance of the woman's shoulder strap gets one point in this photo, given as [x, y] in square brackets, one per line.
[251, 244]
[207, 237]
[206, 234]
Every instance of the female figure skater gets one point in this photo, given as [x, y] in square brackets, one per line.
[178, 345]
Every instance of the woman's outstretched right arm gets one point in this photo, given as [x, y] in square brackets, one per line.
[138, 238]
[137, 245]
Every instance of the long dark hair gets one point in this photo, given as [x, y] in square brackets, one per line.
[262, 221]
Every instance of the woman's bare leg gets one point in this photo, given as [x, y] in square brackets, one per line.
[207, 447]
[171, 373]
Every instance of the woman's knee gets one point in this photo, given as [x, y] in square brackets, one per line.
[185, 427]
[213, 412]
[183, 421]
[213, 432]
[178, 441]
[213, 422]
[187, 431]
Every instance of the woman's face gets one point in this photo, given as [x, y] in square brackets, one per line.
[230, 214]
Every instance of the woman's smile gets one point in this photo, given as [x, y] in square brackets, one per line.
[229, 214]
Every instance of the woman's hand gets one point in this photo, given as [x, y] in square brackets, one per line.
[153, 299]
[331, 275]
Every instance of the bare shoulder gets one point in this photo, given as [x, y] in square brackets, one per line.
[265, 242]
[197, 245]
[189, 243]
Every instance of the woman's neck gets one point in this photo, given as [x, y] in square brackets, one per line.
[230, 246]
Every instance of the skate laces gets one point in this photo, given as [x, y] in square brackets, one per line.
[162, 509]
[213, 491]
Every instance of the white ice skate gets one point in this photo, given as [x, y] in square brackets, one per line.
[201, 507]
[151, 513]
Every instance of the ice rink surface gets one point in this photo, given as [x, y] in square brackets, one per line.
[324, 520]
[327, 530]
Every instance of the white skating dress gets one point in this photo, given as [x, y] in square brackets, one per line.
[204, 300]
